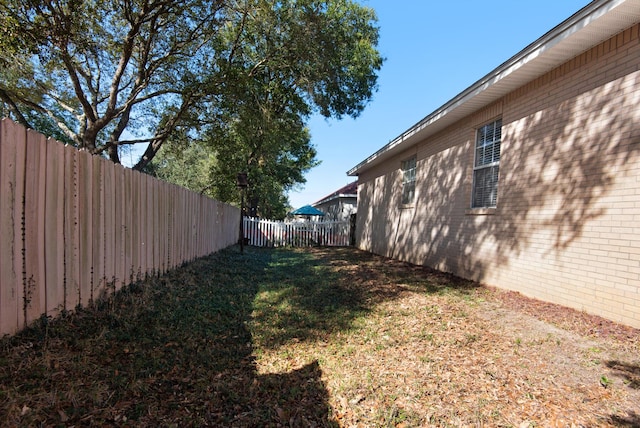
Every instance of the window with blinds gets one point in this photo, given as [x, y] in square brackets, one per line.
[487, 164]
[408, 180]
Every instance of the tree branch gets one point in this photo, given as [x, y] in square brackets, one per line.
[75, 80]
[127, 51]
[14, 108]
[236, 41]
[167, 129]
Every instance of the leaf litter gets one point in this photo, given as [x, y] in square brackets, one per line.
[322, 337]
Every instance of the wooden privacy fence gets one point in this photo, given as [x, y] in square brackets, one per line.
[75, 227]
[269, 233]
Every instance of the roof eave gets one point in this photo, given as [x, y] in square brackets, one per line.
[596, 22]
[329, 199]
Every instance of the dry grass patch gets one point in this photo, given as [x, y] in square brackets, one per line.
[433, 350]
[321, 337]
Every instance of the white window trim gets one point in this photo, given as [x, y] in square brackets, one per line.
[404, 171]
[485, 209]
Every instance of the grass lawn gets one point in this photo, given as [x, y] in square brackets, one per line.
[319, 337]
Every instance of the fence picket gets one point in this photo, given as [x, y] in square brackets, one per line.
[86, 219]
[98, 216]
[54, 229]
[34, 269]
[71, 230]
[72, 224]
[127, 218]
[268, 233]
[149, 225]
[12, 168]
[119, 227]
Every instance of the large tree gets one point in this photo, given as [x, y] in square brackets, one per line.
[287, 61]
[238, 78]
[96, 69]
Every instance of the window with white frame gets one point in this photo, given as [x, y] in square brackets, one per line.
[487, 165]
[408, 180]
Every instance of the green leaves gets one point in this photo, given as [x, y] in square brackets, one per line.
[285, 62]
[100, 68]
[236, 78]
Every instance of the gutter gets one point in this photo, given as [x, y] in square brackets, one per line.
[555, 47]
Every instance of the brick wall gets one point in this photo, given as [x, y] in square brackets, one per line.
[567, 224]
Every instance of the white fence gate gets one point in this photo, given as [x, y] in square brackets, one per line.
[269, 233]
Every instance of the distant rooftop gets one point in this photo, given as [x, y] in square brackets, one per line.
[350, 190]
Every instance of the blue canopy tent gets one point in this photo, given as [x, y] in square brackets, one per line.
[308, 211]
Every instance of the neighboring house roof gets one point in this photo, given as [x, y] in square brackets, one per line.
[596, 22]
[348, 191]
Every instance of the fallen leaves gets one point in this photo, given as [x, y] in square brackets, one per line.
[321, 337]
[451, 354]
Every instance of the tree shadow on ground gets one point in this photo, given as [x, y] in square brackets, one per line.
[172, 351]
[629, 372]
[306, 294]
[630, 421]
[180, 350]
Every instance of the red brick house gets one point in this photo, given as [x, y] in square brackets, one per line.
[529, 180]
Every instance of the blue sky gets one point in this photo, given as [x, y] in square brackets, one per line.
[434, 50]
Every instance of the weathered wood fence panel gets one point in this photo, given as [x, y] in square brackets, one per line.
[34, 225]
[269, 233]
[12, 169]
[76, 227]
[71, 229]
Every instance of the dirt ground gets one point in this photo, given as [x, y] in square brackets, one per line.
[320, 338]
[573, 352]
[466, 355]
[503, 360]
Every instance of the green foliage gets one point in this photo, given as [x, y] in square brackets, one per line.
[97, 69]
[281, 64]
[275, 153]
[605, 381]
[230, 80]
[188, 165]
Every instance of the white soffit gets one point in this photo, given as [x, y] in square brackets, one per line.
[593, 24]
